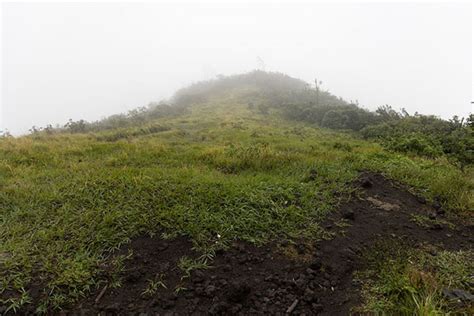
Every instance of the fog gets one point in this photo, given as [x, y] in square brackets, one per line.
[90, 60]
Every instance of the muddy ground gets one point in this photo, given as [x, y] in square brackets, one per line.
[281, 278]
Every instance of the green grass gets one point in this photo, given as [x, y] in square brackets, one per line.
[404, 281]
[67, 201]
[426, 222]
[153, 285]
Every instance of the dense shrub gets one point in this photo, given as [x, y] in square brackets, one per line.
[134, 118]
[426, 136]
[415, 144]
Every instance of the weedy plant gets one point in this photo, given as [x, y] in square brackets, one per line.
[153, 285]
[187, 265]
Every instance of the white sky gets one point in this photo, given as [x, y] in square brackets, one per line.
[89, 60]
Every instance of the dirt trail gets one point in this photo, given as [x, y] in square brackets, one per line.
[261, 280]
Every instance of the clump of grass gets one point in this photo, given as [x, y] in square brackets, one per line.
[153, 285]
[15, 303]
[187, 265]
[342, 146]
[258, 157]
[426, 222]
[402, 281]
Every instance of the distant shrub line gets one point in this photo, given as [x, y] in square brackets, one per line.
[264, 92]
[136, 117]
[422, 135]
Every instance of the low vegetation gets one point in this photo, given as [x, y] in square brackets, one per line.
[219, 165]
[402, 281]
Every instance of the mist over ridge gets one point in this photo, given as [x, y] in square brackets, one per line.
[88, 61]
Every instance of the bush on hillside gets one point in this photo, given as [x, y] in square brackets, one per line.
[415, 144]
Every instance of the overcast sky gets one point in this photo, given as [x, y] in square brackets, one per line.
[89, 60]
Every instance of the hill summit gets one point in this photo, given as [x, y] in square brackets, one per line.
[278, 95]
[255, 193]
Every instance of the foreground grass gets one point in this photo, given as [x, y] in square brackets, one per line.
[67, 201]
[404, 281]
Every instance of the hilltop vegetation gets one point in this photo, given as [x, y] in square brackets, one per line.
[417, 134]
[237, 158]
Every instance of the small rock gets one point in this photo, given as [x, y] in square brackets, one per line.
[316, 265]
[301, 249]
[239, 247]
[218, 308]
[133, 276]
[458, 294]
[421, 199]
[348, 214]
[113, 308]
[167, 304]
[162, 246]
[309, 296]
[235, 309]
[310, 271]
[210, 290]
[223, 282]
[198, 276]
[242, 260]
[238, 292]
[199, 290]
[366, 183]
[301, 281]
[317, 307]
[436, 226]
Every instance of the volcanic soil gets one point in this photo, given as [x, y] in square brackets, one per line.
[279, 278]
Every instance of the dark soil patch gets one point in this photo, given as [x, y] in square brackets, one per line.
[264, 280]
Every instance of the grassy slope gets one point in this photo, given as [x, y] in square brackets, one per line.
[67, 200]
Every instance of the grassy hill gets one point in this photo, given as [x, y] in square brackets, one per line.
[220, 162]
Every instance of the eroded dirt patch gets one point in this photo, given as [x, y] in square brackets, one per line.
[263, 280]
